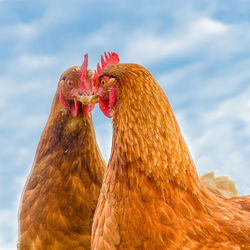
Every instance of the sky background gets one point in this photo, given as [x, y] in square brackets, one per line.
[198, 51]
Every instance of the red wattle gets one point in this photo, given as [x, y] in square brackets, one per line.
[74, 107]
[63, 102]
[104, 106]
[91, 107]
[87, 109]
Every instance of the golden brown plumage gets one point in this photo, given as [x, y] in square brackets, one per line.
[62, 190]
[151, 197]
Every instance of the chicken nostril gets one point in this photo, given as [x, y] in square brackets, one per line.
[81, 93]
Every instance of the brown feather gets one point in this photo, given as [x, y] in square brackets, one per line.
[62, 190]
[152, 197]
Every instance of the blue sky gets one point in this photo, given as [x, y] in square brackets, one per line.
[199, 52]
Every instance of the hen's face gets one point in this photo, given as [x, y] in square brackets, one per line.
[75, 85]
[107, 92]
[105, 86]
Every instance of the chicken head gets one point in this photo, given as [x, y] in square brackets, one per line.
[75, 87]
[106, 87]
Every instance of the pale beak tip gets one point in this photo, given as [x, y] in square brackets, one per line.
[94, 100]
[83, 99]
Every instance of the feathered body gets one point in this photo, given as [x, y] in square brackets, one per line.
[151, 197]
[62, 190]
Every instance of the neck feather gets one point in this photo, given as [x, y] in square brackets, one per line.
[70, 143]
[147, 136]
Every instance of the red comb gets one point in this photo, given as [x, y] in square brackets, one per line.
[111, 58]
[83, 72]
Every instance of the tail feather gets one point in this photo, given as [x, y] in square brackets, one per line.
[221, 185]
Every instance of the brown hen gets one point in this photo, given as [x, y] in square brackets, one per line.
[152, 197]
[62, 190]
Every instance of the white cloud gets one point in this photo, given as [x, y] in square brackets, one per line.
[177, 75]
[103, 37]
[10, 245]
[9, 216]
[34, 62]
[147, 47]
[9, 225]
[192, 84]
[2, 104]
[103, 131]
[208, 27]
[222, 141]
[19, 30]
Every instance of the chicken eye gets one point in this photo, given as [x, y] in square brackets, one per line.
[69, 84]
[102, 82]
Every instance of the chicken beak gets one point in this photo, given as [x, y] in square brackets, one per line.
[85, 99]
[111, 83]
[93, 99]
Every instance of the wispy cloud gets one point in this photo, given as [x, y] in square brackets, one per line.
[147, 47]
[8, 219]
[34, 62]
[222, 81]
[20, 30]
[222, 140]
[103, 128]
